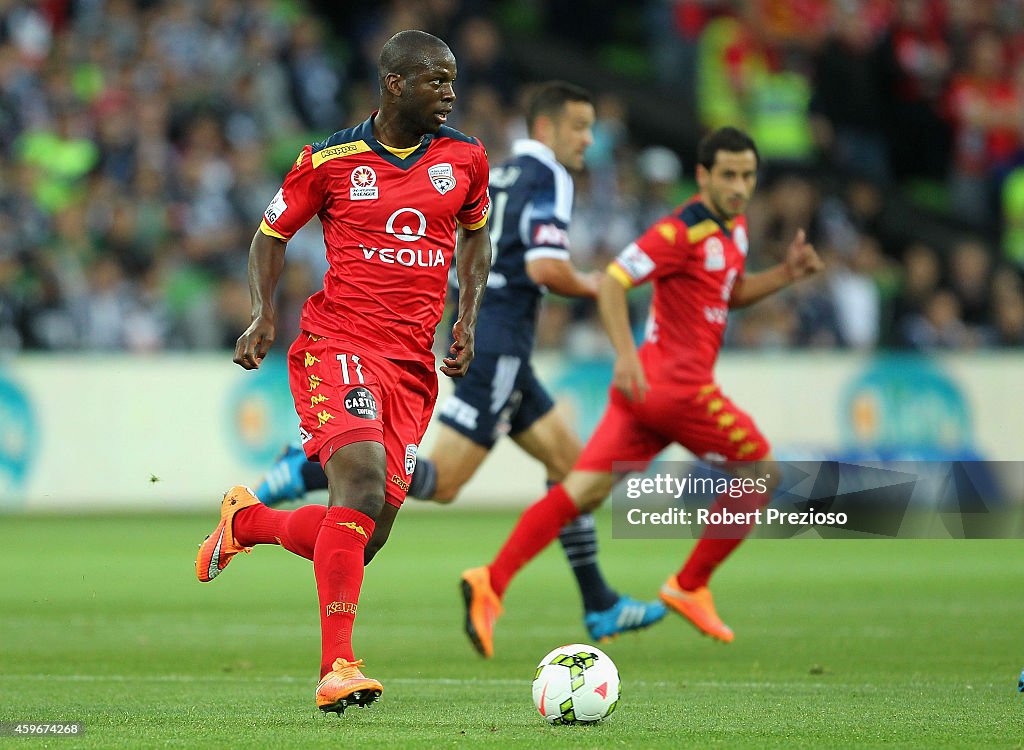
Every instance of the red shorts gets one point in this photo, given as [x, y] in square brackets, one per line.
[701, 419]
[344, 395]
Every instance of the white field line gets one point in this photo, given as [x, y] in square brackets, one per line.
[496, 682]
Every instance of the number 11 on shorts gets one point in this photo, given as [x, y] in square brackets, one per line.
[346, 376]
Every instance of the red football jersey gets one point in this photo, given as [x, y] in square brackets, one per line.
[694, 260]
[389, 226]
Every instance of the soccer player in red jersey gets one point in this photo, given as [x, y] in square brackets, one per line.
[665, 391]
[392, 194]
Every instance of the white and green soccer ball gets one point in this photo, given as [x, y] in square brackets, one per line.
[575, 684]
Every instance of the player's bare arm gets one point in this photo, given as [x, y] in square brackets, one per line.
[266, 259]
[474, 263]
[562, 277]
[628, 374]
[801, 261]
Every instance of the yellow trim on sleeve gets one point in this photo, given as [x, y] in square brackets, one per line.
[701, 230]
[265, 228]
[475, 225]
[615, 271]
[336, 152]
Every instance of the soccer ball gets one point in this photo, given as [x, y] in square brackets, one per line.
[575, 684]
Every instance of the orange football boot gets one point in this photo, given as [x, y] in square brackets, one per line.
[219, 547]
[697, 607]
[346, 686]
[483, 608]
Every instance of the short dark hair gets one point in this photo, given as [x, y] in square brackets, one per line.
[406, 50]
[549, 98]
[728, 139]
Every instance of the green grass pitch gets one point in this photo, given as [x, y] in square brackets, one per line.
[839, 643]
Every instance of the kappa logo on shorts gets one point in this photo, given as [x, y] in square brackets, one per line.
[410, 458]
[359, 402]
[442, 176]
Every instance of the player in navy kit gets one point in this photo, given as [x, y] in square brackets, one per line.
[531, 199]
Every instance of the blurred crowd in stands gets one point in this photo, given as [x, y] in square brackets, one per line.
[141, 140]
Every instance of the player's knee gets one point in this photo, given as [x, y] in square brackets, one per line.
[446, 493]
[559, 468]
[561, 461]
[447, 488]
[587, 496]
[588, 503]
[364, 493]
[589, 499]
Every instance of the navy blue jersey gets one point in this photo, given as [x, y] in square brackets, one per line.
[531, 201]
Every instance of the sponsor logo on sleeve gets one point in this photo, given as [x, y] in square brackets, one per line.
[739, 236]
[635, 262]
[276, 208]
[548, 235]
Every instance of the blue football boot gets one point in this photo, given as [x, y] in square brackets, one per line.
[625, 615]
[283, 481]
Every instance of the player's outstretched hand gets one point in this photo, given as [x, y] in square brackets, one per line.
[801, 258]
[462, 351]
[253, 345]
[628, 377]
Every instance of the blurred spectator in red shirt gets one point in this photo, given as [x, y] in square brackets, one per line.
[985, 112]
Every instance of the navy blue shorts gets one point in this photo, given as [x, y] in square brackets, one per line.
[500, 395]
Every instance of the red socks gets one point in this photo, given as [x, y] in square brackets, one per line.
[718, 541]
[295, 530]
[334, 539]
[338, 566]
[537, 528]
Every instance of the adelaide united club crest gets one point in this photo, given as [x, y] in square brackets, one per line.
[442, 177]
